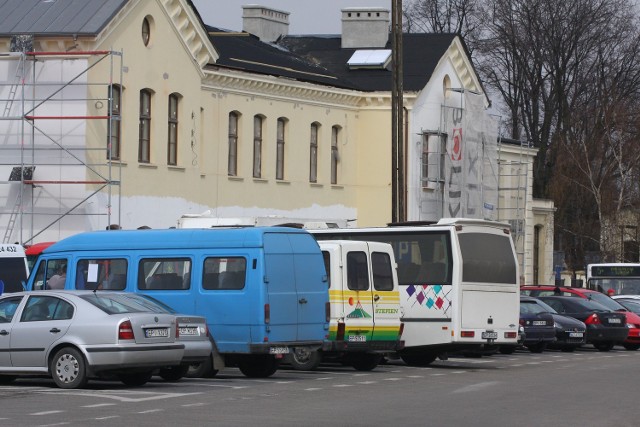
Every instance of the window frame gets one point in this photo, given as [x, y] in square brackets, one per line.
[335, 154]
[115, 119]
[144, 135]
[258, 129]
[172, 125]
[313, 152]
[280, 147]
[232, 159]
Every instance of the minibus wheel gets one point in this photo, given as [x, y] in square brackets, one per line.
[258, 366]
[303, 359]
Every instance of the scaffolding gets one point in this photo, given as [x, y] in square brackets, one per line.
[56, 129]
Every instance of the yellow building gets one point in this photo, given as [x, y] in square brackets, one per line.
[136, 113]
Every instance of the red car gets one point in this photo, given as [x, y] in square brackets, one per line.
[633, 320]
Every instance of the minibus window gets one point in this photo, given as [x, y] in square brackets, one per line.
[224, 273]
[382, 271]
[101, 274]
[164, 273]
[357, 271]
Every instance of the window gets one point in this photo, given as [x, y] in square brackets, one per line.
[113, 144]
[51, 274]
[335, 133]
[164, 273]
[233, 144]
[224, 273]
[280, 149]
[313, 153]
[433, 159]
[357, 271]
[382, 271]
[327, 265]
[257, 146]
[144, 146]
[39, 308]
[487, 258]
[8, 308]
[172, 140]
[146, 31]
[101, 274]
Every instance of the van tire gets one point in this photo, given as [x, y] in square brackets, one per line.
[259, 366]
[366, 361]
[303, 359]
[418, 359]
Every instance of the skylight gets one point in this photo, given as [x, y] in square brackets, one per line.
[370, 58]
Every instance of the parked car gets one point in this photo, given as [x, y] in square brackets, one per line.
[73, 336]
[193, 333]
[605, 327]
[632, 319]
[631, 304]
[570, 333]
[538, 327]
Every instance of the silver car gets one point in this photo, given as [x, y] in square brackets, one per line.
[193, 333]
[76, 335]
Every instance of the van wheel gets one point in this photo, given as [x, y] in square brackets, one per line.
[366, 362]
[174, 373]
[137, 379]
[418, 359]
[202, 370]
[68, 368]
[303, 359]
[260, 366]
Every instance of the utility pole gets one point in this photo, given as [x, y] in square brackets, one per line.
[398, 192]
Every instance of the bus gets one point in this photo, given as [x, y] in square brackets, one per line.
[459, 287]
[614, 278]
[13, 268]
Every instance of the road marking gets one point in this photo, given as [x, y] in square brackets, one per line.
[459, 372]
[150, 411]
[46, 413]
[437, 375]
[476, 387]
[193, 404]
[393, 379]
[367, 382]
[313, 389]
[415, 376]
[108, 417]
[343, 385]
[235, 387]
[98, 405]
[122, 395]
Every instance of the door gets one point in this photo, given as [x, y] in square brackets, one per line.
[43, 321]
[358, 296]
[8, 308]
[386, 297]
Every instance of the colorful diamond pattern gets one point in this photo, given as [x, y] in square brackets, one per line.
[432, 297]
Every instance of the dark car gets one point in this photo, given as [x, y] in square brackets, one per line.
[605, 327]
[538, 327]
[570, 333]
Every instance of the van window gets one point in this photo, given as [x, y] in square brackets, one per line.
[164, 273]
[327, 263]
[487, 258]
[382, 271]
[357, 271]
[47, 269]
[12, 273]
[224, 273]
[101, 274]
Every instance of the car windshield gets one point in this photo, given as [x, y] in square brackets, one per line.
[532, 307]
[591, 305]
[121, 303]
[631, 305]
[546, 307]
[150, 301]
[605, 300]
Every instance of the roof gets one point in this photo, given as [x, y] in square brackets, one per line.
[245, 52]
[56, 17]
[421, 54]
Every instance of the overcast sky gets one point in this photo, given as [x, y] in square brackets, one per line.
[306, 16]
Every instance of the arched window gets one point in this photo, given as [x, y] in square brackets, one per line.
[313, 152]
[172, 140]
[232, 163]
[144, 141]
[258, 122]
[280, 148]
[114, 139]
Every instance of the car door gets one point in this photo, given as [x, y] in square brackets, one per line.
[8, 308]
[44, 320]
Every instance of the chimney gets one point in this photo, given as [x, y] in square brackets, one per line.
[265, 23]
[365, 27]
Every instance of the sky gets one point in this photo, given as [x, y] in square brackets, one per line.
[306, 16]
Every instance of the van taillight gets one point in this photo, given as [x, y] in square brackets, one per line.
[125, 331]
[592, 320]
[510, 334]
[340, 334]
[401, 329]
[327, 312]
[267, 313]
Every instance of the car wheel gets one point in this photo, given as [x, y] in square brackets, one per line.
[366, 361]
[137, 379]
[259, 366]
[68, 368]
[507, 349]
[603, 346]
[202, 370]
[631, 347]
[303, 359]
[174, 373]
[537, 348]
[418, 359]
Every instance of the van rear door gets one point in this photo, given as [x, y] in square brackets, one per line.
[357, 293]
[296, 287]
[386, 296]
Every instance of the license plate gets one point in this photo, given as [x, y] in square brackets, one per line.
[188, 331]
[539, 323]
[156, 332]
[489, 335]
[357, 338]
[278, 350]
[576, 334]
[615, 321]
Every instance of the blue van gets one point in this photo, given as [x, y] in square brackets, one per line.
[263, 290]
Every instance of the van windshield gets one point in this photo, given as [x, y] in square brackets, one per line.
[12, 274]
